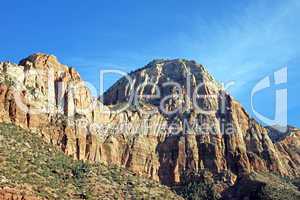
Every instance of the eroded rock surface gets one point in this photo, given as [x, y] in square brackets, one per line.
[84, 128]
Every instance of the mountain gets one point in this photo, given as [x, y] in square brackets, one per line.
[182, 126]
[247, 148]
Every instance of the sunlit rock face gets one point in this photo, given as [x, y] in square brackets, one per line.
[50, 98]
[180, 124]
[185, 94]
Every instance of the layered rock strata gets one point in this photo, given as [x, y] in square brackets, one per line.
[214, 133]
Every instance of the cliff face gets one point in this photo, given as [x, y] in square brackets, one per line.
[288, 144]
[228, 144]
[50, 98]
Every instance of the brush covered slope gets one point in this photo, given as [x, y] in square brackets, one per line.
[33, 169]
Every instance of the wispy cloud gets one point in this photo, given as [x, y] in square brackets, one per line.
[257, 40]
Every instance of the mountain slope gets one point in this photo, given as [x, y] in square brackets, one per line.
[34, 168]
[228, 145]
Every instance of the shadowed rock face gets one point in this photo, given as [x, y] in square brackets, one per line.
[77, 122]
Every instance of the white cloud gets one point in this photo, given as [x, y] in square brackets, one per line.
[256, 41]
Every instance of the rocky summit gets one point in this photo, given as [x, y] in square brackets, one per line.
[169, 121]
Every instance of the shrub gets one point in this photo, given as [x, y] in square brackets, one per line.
[198, 191]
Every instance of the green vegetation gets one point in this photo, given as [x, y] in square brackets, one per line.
[254, 186]
[29, 163]
[198, 191]
[264, 186]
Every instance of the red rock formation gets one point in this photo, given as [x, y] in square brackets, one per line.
[86, 129]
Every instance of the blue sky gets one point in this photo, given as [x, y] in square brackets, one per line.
[240, 41]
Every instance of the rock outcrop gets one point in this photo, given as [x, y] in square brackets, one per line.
[213, 132]
[288, 146]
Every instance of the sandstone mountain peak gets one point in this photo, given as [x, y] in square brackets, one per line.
[161, 76]
[39, 59]
[47, 62]
[170, 66]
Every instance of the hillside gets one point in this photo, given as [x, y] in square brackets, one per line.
[264, 186]
[33, 169]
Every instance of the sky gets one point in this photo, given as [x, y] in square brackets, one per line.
[239, 41]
